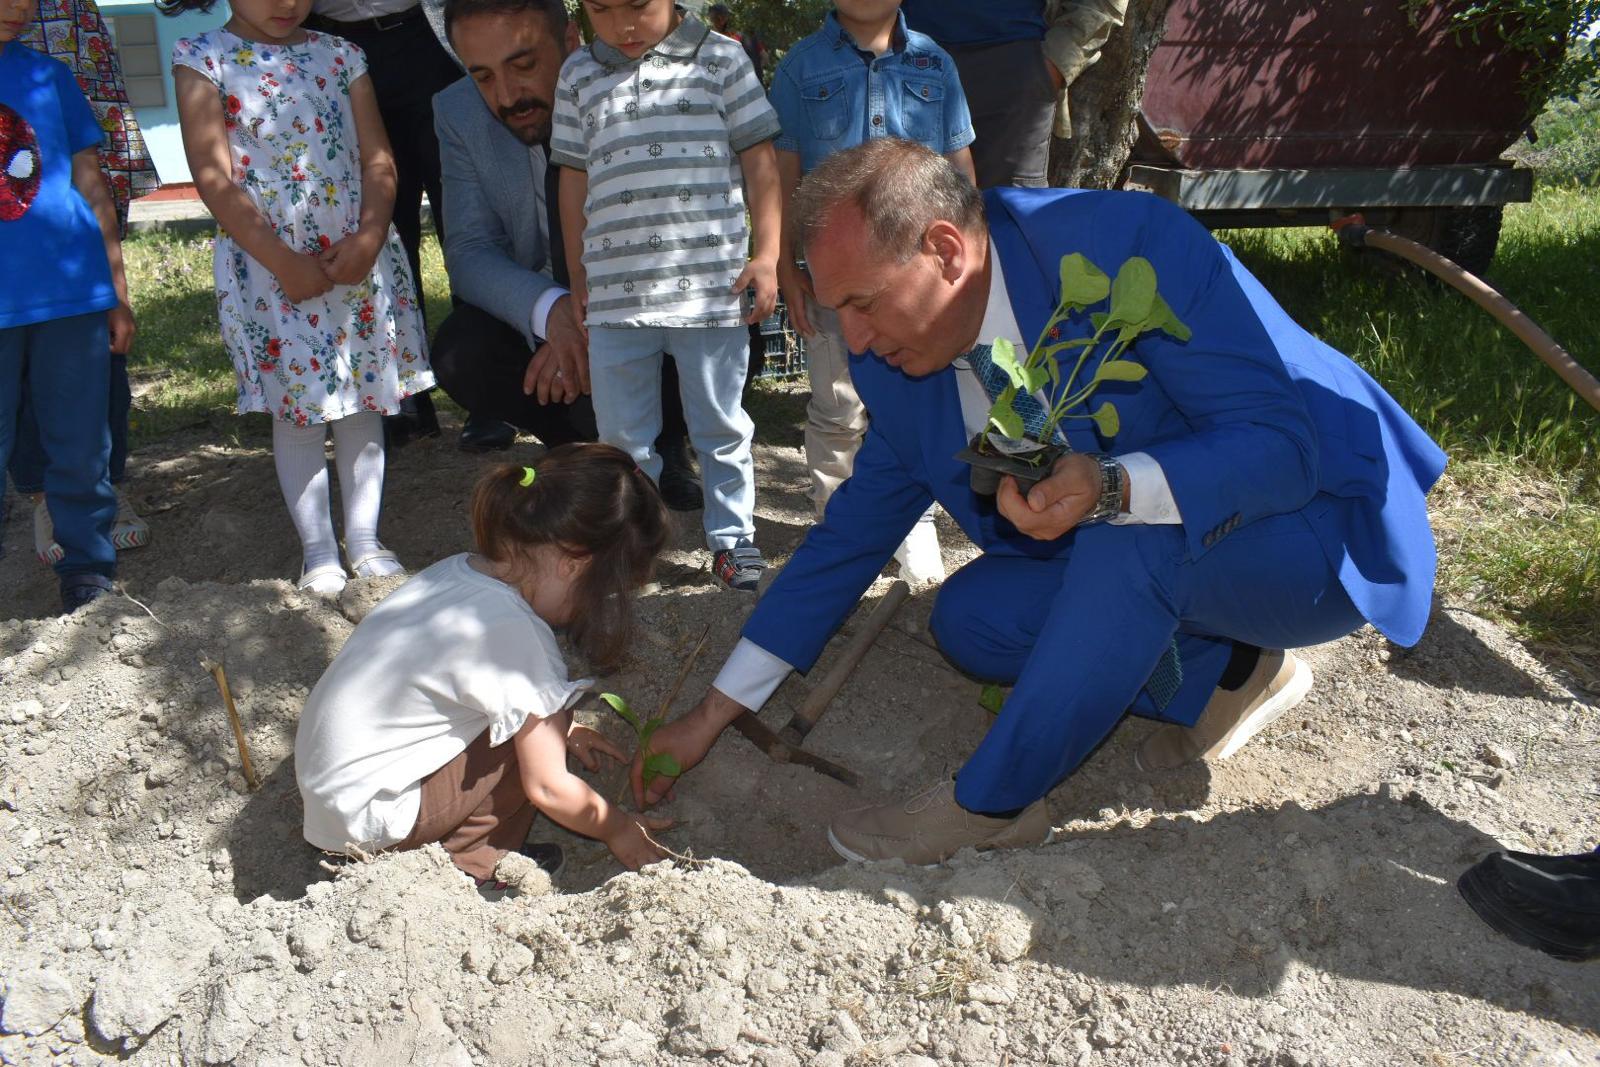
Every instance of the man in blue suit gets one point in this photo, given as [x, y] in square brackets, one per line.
[1262, 493]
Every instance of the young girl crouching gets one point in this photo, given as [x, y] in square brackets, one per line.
[404, 739]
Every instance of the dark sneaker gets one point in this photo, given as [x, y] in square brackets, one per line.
[739, 567]
[80, 589]
[680, 489]
[931, 827]
[480, 433]
[1549, 903]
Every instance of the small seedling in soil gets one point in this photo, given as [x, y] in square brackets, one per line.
[655, 763]
[992, 698]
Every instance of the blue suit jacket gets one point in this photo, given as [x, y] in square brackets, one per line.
[1251, 417]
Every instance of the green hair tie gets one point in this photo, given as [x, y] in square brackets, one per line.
[528, 474]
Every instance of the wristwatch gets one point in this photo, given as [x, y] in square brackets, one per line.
[1113, 481]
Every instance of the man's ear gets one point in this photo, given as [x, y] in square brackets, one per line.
[947, 243]
[571, 39]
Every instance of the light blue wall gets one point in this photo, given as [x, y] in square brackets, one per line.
[160, 124]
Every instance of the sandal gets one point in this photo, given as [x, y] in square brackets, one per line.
[326, 581]
[128, 530]
[366, 566]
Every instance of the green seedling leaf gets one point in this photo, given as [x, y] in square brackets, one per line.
[1133, 294]
[1082, 283]
[1105, 418]
[1120, 370]
[647, 731]
[1003, 354]
[1165, 319]
[1099, 319]
[992, 698]
[1004, 417]
[620, 706]
[658, 764]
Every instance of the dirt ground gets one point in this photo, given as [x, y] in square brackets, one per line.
[1293, 906]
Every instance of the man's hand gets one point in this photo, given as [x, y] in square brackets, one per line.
[558, 373]
[119, 321]
[796, 286]
[1058, 503]
[586, 745]
[350, 259]
[763, 274]
[686, 740]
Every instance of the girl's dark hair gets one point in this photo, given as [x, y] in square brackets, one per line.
[587, 500]
[178, 7]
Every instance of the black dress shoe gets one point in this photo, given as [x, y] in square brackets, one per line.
[680, 489]
[424, 420]
[1551, 903]
[480, 433]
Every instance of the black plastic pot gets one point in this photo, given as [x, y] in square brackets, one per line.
[988, 467]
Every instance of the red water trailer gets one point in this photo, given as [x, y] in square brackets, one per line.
[1272, 113]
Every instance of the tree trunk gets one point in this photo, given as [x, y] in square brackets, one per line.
[1105, 103]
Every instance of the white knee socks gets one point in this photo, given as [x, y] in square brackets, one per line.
[303, 476]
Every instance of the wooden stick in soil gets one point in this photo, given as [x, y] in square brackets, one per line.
[233, 717]
[688, 665]
[819, 698]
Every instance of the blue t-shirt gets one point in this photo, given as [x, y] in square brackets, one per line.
[831, 95]
[960, 22]
[52, 256]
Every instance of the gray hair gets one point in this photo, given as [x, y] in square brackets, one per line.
[900, 187]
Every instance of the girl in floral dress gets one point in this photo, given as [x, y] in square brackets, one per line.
[316, 300]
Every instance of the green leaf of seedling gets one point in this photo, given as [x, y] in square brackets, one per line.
[1165, 319]
[1035, 377]
[1004, 417]
[1082, 283]
[1120, 370]
[992, 698]
[658, 764]
[1003, 354]
[620, 706]
[647, 731]
[1133, 294]
[1106, 420]
[1099, 319]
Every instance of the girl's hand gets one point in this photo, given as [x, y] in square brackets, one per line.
[632, 844]
[120, 322]
[583, 743]
[350, 259]
[301, 277]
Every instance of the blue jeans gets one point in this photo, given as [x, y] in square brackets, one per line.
[67, 380]
[1101, 616]
[27, 452]
[625, 372]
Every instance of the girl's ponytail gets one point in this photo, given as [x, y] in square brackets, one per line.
[588, 500]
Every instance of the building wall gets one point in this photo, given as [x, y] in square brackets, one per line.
[144, 44]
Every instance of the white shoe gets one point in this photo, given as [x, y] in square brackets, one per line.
[129, 530]
[379, 563]
[44, 535]
[326, 581]
[921, 562]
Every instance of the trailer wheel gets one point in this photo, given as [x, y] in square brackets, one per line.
[1467, 235]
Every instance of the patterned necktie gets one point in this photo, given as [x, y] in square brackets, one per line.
[1167, 678]
[995, 381]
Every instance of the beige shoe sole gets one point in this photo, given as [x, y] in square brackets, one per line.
[1284, 699]
[855, 857]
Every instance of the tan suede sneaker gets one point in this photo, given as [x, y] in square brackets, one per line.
[931, 827]
[1232, 717]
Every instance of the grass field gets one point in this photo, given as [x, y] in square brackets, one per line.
[1518, 514]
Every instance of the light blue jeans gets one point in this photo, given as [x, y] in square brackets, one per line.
[625, 374]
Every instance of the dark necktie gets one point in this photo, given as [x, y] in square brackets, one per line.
[1167, 677]
[552, 211]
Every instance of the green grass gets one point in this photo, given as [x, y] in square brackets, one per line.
[1517, 515]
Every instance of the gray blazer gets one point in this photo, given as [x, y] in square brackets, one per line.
[494, 251]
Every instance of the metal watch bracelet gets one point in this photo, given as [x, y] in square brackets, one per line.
[1113, 480]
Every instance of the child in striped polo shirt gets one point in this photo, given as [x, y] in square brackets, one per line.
[664, 127]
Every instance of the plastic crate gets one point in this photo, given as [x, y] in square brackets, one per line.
[784, 350]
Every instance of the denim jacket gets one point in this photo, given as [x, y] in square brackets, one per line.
[831, 95]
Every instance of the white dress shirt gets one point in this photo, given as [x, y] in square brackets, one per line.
[539, 319]
[752, 674]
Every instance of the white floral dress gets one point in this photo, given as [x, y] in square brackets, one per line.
[292, 134]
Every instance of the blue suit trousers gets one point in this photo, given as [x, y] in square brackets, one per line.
[1079, 634]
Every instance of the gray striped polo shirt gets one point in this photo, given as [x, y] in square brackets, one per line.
[659, 136]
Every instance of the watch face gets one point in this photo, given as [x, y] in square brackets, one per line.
[20, 165]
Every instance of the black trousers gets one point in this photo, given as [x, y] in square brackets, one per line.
[407, 65]
[1013, 106]
[480, 361]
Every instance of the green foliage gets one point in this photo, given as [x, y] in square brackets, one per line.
[991, 699]
[656, 764]
[1135, 308]
[1541, 28]
[1566, 146]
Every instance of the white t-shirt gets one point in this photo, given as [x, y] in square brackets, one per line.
[448, 654]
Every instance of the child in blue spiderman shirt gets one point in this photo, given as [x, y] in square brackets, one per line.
[63, 300]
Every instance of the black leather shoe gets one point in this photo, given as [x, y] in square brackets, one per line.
[680, 489]
[483, 434]
[80, 589]
[424, 420]
[1551, 903]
